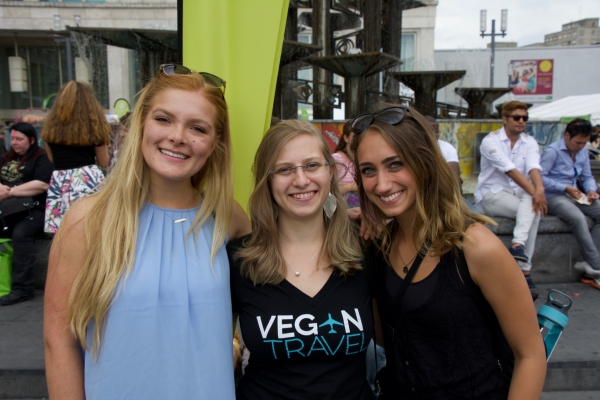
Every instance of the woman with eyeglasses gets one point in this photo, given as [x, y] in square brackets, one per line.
[297, 282]
[137, 302]
[452, 301]
[76, 134]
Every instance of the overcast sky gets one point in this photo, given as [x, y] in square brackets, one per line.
[457, 22]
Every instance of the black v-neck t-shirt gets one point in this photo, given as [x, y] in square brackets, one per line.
[303, 347]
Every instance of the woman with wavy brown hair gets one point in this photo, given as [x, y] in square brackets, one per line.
[297, 280]
[454, 307]
[76, 134]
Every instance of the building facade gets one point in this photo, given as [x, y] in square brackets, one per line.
[43, 44]
[579, 33]
[557, 72]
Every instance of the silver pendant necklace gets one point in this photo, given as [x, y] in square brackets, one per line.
[405, 268]
[305, 265]
[177, 221]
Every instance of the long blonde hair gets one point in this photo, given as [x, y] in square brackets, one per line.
[76, 119]
[261, 257]
[112, 221]
[442, 216]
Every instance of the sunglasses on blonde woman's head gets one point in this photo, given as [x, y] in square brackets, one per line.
[176, 69]
[391, 115]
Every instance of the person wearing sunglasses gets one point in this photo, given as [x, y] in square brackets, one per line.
[453, 304]
[297, 281]
[510, 183]
[137, 302]
[572, 194]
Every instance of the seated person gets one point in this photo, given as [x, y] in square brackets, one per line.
[559, 161]
[450, 155]
[25, 171]
[594, 143]
[508, 157]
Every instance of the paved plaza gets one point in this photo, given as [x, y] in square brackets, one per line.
[573, 369]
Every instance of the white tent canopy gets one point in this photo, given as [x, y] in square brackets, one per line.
[571, 106]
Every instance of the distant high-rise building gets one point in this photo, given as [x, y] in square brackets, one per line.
[578, 33]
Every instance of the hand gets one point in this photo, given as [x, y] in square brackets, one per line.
[573, 192]
[237, 354]
[593, 195]
[354, 213]
[540, 204]
[4, 192]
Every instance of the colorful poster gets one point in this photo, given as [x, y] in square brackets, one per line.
[531, 80]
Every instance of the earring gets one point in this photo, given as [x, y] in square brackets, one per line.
[275, 210]
[330, 205]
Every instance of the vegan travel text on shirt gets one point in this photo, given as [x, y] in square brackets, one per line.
[352, 340]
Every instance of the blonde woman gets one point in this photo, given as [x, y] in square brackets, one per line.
[138, 275]
[76, 134]
[297, 282]
[452, 301]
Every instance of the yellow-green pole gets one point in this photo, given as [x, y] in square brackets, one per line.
[239, 41]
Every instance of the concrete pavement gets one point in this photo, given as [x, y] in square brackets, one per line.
[573, 369]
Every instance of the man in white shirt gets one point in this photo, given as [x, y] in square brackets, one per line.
[508, 157]
[450, 155]
[448, 151]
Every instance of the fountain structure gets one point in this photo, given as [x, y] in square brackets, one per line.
[354, 68]
[480, 99]
[426, 84]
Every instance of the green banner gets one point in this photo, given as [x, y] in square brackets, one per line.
[239, 41]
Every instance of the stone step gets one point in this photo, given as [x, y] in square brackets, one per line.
[555, 249]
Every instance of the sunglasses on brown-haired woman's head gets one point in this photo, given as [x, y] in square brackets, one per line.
[212, 80]
[391, 115]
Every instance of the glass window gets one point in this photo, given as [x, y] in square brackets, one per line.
[407, 52]
[45, 67]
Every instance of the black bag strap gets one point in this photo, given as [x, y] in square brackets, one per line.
[409, 276]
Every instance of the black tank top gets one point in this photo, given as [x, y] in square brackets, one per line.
[440, 349]
[70, 157]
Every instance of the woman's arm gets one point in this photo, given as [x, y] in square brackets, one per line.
[497, 274]
[63, 353]
[30, 188]
[239, 224]
[101, 156]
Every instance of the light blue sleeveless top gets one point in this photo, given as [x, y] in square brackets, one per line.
[169, 329]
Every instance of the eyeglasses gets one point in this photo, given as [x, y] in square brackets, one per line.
[517, 118]
[212, 80]
[310, 169]
[391, 115]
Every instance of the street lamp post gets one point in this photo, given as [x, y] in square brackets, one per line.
[493, 35]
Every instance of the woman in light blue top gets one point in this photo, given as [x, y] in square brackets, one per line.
[138, 276]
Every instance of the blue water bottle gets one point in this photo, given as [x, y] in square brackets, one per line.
[552, 318]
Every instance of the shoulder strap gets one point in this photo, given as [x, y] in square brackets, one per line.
[409, 276]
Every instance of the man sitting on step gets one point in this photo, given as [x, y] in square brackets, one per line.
[509, 159]
[571, 193]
